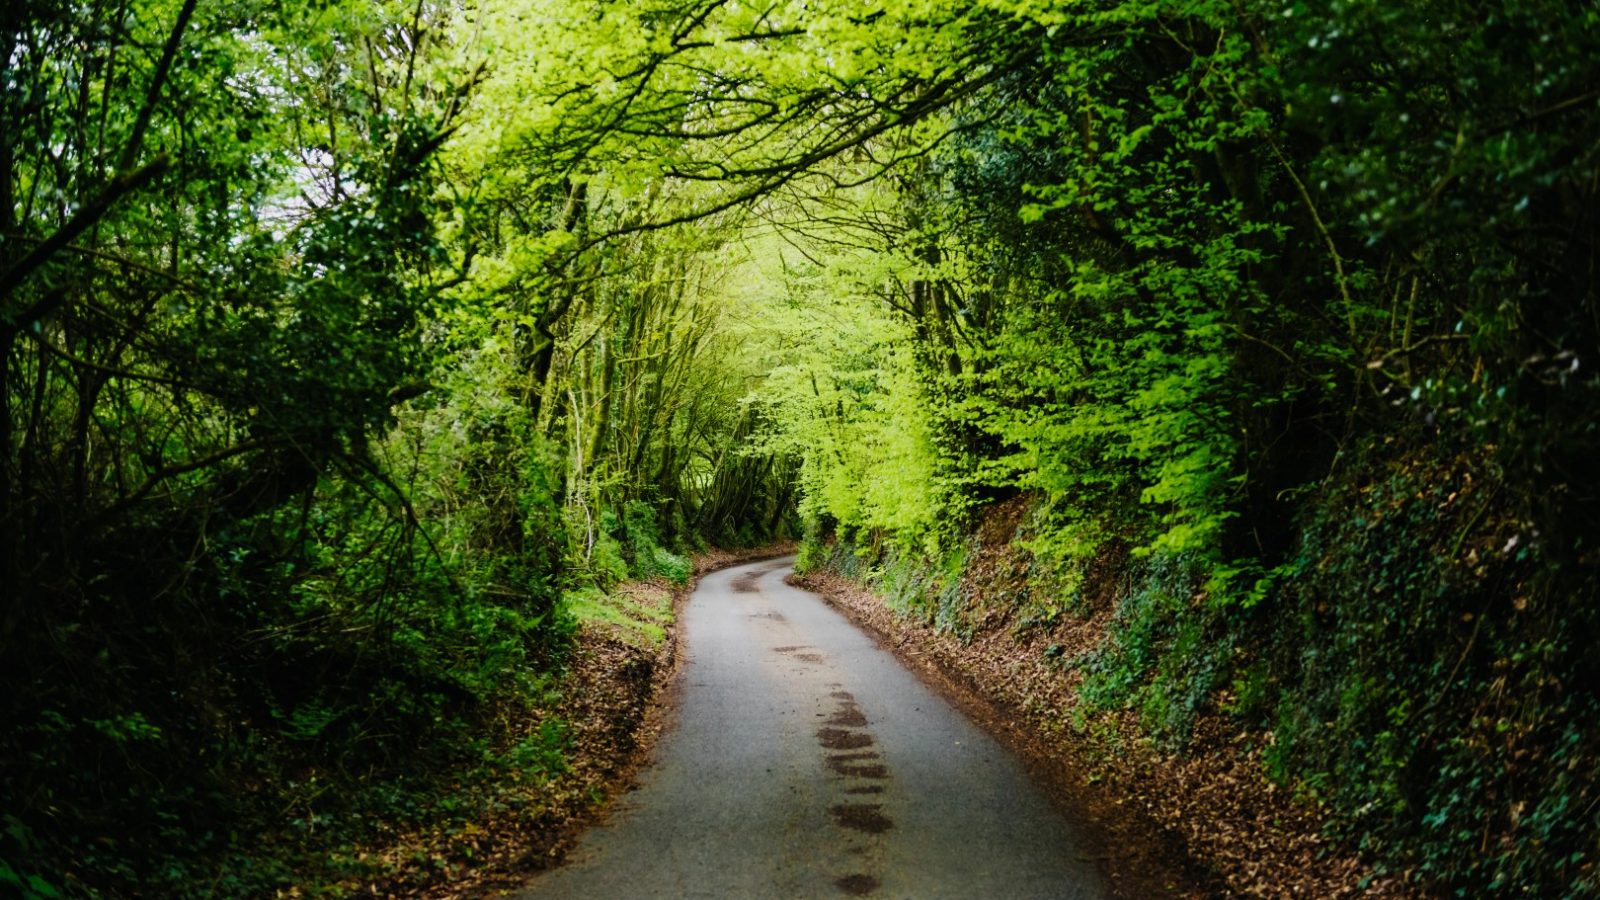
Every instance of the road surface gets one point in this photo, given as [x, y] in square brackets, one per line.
[806, 762]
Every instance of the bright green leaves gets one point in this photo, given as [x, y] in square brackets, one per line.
[726, 102]
[845, 395]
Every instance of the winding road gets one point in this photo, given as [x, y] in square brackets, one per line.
[806, 762]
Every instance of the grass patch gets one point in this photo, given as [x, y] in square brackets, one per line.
[638, 613]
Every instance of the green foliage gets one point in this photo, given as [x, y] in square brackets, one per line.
[220, 261]
[641, 622]
[670, 566]
[1164, 653]
[609, 566]
[813, 552]
[544, 752]
[649, 558]
[846, 395]
[19, 842]
[1421, 683]
[29, 887]
[930, 592]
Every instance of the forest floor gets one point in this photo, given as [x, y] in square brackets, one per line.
[610, 706]
[1206, 822]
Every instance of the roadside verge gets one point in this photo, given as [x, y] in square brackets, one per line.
[615, 701]
[1203, 824]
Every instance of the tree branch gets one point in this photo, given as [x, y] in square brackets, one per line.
[42, 252]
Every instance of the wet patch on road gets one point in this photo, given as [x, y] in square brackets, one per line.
[846, 729]
[857, 885]
[848, 715]
[747, 583]
[843, 739]
[875, 772]
[851, 765]
[815, 659]
[866, 817]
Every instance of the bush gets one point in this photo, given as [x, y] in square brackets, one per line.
[1421, 680]
[644, 544]
[670, 566]
[605, 560]
[812, 555]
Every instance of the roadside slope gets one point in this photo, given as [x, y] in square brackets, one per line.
[1207, 816]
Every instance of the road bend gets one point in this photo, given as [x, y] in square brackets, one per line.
[806, 762]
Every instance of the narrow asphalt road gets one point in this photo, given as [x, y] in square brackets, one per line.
[807, 762]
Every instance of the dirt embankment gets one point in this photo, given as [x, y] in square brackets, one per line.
[1198, 824]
